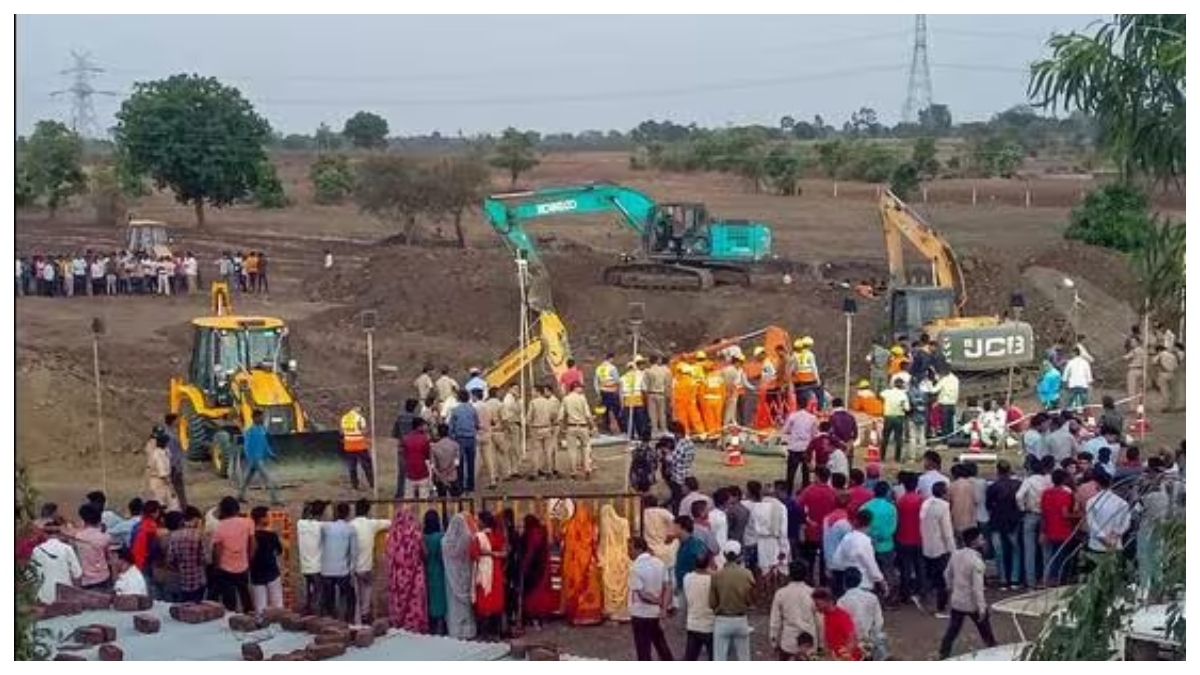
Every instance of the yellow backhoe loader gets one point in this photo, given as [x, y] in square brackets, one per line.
[240, 364]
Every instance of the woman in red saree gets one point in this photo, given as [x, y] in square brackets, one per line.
[405, 551]
[583, 597]
[488, 551]
[538, 597]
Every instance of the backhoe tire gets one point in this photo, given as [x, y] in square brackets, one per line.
[223, 464]
[199, 433]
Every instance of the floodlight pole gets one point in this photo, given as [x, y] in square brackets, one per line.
[97, 331]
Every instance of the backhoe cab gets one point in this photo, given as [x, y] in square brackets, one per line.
[149, 237]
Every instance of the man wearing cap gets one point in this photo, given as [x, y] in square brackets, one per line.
[806, 377]
[731, 595]
[712, 397]
[356, 449]
[476, 383]
[607, 383]
[578, 427]
[445, 386]
[633, 399]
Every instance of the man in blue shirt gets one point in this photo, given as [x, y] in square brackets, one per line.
[464, 428]
[476, 381]
[258, 450]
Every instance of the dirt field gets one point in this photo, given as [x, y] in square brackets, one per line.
[441, 305]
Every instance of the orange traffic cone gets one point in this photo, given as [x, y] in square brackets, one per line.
[1140, 425]
[733, 448]
[976, 440]
[872, 454]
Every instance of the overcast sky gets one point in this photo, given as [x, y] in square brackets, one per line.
[551, 73]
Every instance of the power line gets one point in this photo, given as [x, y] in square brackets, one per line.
[83, 112]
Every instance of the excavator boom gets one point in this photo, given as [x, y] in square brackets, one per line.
[900, 222]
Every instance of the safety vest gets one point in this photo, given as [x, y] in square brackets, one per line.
[896, 364]
[805, 367]
[714, 386]
[607, 377]
[353, 439]
[633, 388]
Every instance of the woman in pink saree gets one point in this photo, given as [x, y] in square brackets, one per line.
[406, 574]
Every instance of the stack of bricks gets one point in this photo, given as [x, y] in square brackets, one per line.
[146, 623]
[84, 599]
[197, 612]
[132, 603]
[91, 635]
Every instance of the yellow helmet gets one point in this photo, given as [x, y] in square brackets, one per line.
[760, 351]
[897, 351]
[803, 342]
[701, 356]
[639, 359]
[631, 365]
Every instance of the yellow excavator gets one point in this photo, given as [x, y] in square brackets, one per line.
[240, 364]
[971, 344]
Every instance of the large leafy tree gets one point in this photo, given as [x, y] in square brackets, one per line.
[455, 186]
[1130, 76]
[366, 130]
[52, 164]
[197, 137]
[392, 188]
[515, 152]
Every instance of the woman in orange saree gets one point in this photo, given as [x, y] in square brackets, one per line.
[583, 597]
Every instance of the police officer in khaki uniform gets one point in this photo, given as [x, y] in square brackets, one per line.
[487, 424]
[498, 435]
[657, 376]
[579, 425]
[543, 418]
[512, 417]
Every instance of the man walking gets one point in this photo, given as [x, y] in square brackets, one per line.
[1167, 363]
[258, 451]
[356, 449]
[1077, 375]
[964, 576]
[175, 451]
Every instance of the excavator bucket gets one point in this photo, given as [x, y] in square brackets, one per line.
[306, 455]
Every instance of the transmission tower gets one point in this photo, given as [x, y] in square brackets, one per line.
[920, 83]
[81, 91]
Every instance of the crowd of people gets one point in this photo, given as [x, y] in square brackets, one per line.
[96, 273]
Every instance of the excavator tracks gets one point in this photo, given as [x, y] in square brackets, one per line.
[659, 276]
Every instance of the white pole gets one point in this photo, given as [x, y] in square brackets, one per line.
[846, 382]
[99, 413]
[1027, 198]
[1145, 367]
[523, 340]
[835, 188]
[924, 195]
[629, 425]
[371, 410]
[974, 195]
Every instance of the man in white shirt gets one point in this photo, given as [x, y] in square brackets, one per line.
[96, 273]
[717, 520]
[308, 541]
[648, 594]
[937, 543]
[792, 611]
[932, 475]
[191, 270]
[895, 412]
[947, 399]
[1077, 376]
[798, 430]
[130, 580]
[365, 530]
[863, 606]
[1107, 517]
[56, 563]
[856, 551]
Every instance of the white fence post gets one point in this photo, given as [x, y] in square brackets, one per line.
[835, 188]
[1027, 198]
[974, 195]
[924, 195]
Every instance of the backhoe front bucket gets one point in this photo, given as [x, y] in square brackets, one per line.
[306, 455]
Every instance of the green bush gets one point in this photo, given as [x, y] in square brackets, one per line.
[332, 179]
[1114, 216]
[905, 179]
[268, 189]
[870, 162]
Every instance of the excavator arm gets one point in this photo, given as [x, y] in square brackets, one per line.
[900, 222]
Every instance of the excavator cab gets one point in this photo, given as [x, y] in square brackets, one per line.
[914, 308]
[680, 230]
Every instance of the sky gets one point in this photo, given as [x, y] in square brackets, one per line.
[479, 74]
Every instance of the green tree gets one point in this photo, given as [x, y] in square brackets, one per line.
[196, 136]
[53, 164]
[804, 131]
[1130, 76]
[924, 158]
[327, 139]
[832, 156]
[1158, 265]
[455, 186]
[782, 167]
[332, 179]
[107, 195]
[393, 189]
[515, 153]
[366, 130]
[787, 123]
[935, 119]
[905, 179]
[268, 192]
[1115, 216]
